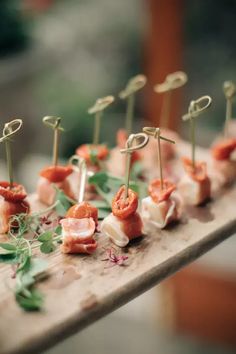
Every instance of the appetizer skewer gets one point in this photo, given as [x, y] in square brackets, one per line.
[12, 195]
[116, 163]
[80, 223]
[54, 175]
[162, 206]
[172, 82]
[95, 154]
[125, 223]
[195, 185]
[224, 150]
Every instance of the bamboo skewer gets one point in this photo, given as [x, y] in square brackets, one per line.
[229, 89]
[10, 129]
[195, 109]
[141, 141]
[156, 133]
[97, 109]
[55, 124]
[172, 82]
[134, 84]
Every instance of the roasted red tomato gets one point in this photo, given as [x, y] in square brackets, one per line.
[159, 195]
[56, 174]
[15, 194]
[92, 153]
[124, 207]
[222, 150]
[83, 210]
[198, 172]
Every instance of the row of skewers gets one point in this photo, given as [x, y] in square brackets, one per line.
[166, 197]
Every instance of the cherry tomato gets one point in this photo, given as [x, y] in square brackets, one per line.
[198, 172]
[124, 207]
[83, 210]
[222, 150]
[159, 195]
[91, 153]
[56, 174]
[15, 194]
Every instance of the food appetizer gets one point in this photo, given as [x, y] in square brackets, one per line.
[80, 223]
[195, 185]
[224, 150]
[116, 163]
[12, 195]
[162, 206]
[54, 176]
[96, 154]
[125, 223]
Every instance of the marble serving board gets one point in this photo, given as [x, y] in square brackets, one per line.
[81, 289]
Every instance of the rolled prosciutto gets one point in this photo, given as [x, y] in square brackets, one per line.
[124, 223]
[195, 185]
[224, 159]
[78, 229]
[162, 206]
[50, 176]
[12, 202]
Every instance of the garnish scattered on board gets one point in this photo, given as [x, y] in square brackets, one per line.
[27, 232]
[114, 259]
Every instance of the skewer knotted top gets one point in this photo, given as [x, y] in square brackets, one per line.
[10, 129]
[101, 104]
[53, 122]
[133, 85]
[172, 82]
[229, 89]
[156, 132]
[135, 142]
[196, 107]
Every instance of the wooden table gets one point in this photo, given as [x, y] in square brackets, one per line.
[83, 289]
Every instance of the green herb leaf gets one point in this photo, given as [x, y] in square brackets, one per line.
[8, 246]
[33, 301]
[9, 258]
[58, 230]
[47, 247]
[46, 236]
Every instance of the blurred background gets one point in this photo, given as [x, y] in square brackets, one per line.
[56, 58]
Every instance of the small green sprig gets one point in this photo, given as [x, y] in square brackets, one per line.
[27, 232]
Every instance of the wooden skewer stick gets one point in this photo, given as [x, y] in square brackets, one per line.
[10, 129]
[97, 109]
[80, 165]
[135, 84]
[55, 124]
[229, 89]
[172, 82]
[156, 133]
[141, 140]
[195, 108]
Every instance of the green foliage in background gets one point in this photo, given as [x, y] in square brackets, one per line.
[13, 28]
